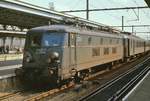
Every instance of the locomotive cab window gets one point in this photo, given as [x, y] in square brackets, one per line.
[47, 39]
[53, 39]
[89, 40]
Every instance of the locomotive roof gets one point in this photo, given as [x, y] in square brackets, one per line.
[132, 37]
[66, 28]
[72, 29]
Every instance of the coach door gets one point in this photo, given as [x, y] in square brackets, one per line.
[144, 46]
[126, 47]
[72, 50]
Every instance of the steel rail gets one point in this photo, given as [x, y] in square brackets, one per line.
[109, 83]
[9, 95]
[48, 93]
[122, 92]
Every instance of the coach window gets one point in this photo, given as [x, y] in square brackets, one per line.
[137, 44]
[107, 41]
[104, 41]
[101, 41]
[141, 44]
[113, 41]
[131, 45]
[95, 40]
[114, 50]
[106, 51]
[79, 40]
[110, 40]
[89, 40]
[117, 41]
[96, 51]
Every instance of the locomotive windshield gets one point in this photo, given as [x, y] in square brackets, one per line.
[53, 39]
[47, 39]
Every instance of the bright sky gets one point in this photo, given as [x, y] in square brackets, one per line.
[111, 18]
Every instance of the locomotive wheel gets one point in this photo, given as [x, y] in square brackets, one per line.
[110, 68]
[79, 78]
[69, 82]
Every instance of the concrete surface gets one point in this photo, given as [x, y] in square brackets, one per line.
[141, 92]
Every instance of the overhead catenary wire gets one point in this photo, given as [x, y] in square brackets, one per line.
[108, 9]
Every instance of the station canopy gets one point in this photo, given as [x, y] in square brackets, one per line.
[24, 15]
[148, 2]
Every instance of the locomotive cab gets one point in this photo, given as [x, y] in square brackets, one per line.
[43, 54]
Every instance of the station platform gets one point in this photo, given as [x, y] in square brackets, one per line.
[6, 57]
[8, 64]
[141, 91]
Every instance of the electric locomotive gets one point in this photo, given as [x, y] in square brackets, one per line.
[58, 53]
[43, 55]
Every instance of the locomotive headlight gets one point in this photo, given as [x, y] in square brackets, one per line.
[28, 57]
[54, 55]
[49, 60]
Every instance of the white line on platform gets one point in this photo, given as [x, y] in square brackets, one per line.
[7, 76]
[10, 67]
[125, 98]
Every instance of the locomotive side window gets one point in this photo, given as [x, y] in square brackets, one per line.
[101, 41]
[96, 51]
[117, 41]
[137, 43]
[89, 40]
[72, 39]
[82, 40]
[131, 43]
[105, 41]
[114, 50]
[35, 40]
[95, 40]
[110, 41]
[106, 51]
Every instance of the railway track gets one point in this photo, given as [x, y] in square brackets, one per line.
[117, 88]
[53, 92]
[48, 93]
[23, 96]
[9, 95]
[122, 92]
